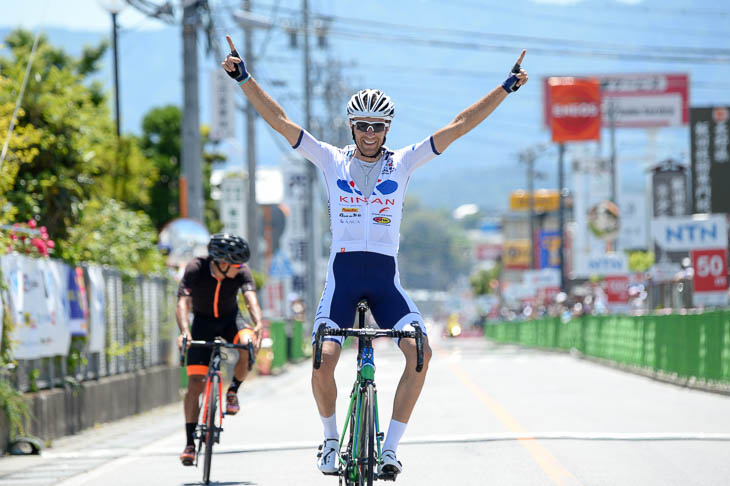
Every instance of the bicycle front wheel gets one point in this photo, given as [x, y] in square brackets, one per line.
[367, 449]
[210, 425]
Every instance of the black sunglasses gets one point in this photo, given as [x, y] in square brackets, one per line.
[377, 127]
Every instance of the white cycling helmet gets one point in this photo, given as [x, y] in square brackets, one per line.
[370, 103]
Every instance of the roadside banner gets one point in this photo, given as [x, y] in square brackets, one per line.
[38, 305]
[710, 277]
[97, 318]
[516, 254]
[617, 289]
[78, 304]
[549, 249]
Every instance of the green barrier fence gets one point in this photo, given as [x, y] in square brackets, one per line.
[688, 345]
[278, 345]
[296, 348]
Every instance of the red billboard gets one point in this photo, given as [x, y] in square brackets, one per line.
[575, 109]
[641, 100]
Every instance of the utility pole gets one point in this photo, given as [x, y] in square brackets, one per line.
[251, 205]
[309, 214]
[191, 189]
[561, 212]
[528, 157]
[116, 73]
[612, 126]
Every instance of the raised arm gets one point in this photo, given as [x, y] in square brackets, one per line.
[261, 101]
[476, 113]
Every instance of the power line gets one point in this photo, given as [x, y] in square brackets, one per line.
[575, 20]
[561, 52]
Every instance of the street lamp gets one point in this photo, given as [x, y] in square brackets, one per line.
[114, 7]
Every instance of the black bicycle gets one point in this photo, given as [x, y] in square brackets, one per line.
[210, 427]
[362, 454]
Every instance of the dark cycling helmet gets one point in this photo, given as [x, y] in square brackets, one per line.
[229, 248]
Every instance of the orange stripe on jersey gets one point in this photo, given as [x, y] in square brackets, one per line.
[197, 370]
[215, 299]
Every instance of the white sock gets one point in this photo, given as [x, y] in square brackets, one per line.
[330, 426]
[395, 433]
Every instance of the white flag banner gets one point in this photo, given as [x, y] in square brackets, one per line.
[97, 304]
[37, 305]
[58, 332]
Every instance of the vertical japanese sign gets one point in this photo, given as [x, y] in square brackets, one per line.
[669, 189]
[574, 109]
[710, 145]
[222, 106]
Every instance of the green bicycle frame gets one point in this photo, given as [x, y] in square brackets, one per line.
[365, 376]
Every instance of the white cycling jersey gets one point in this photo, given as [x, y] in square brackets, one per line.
[359, 222]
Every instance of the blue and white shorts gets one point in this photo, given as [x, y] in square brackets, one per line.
[357, 275]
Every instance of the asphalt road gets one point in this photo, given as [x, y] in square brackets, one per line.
[487, 416]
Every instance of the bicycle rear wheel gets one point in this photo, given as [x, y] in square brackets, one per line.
[210, 425]
[367, 444]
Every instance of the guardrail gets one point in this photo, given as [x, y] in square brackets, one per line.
[692, 345]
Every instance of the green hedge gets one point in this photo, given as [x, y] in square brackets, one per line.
[689, 345]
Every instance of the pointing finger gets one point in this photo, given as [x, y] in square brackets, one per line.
[233, 48]
[522, 56]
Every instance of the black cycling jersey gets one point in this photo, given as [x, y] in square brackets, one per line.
[213, 297]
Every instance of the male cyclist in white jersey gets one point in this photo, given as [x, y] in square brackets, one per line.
[366, 184]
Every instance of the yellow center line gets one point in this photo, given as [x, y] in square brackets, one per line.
[557, 473]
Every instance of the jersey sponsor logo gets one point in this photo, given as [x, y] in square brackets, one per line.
[381, 220]
[350, 215]
[350, 210]
[383, 187]
[386, 208]
[362, 200]
[353, 200]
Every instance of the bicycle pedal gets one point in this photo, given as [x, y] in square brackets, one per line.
[387, 476]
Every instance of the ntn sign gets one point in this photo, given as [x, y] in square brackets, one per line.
[685, 233]
[642, 100]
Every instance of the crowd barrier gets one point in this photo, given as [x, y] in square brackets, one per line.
[690, 345]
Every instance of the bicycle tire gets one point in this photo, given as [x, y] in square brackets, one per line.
[367, 465]
[210, 425]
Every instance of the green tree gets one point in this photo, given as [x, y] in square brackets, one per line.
[484, 282]
[111, 234]
[434, 249]
[161, 142]
[22, 148]
[75, 156]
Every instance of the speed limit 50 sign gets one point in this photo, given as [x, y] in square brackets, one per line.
[710, 276]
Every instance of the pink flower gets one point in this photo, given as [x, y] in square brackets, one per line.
[13, 236]
[51, 244]
[32, 223]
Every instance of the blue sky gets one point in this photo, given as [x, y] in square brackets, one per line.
[434, 58]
